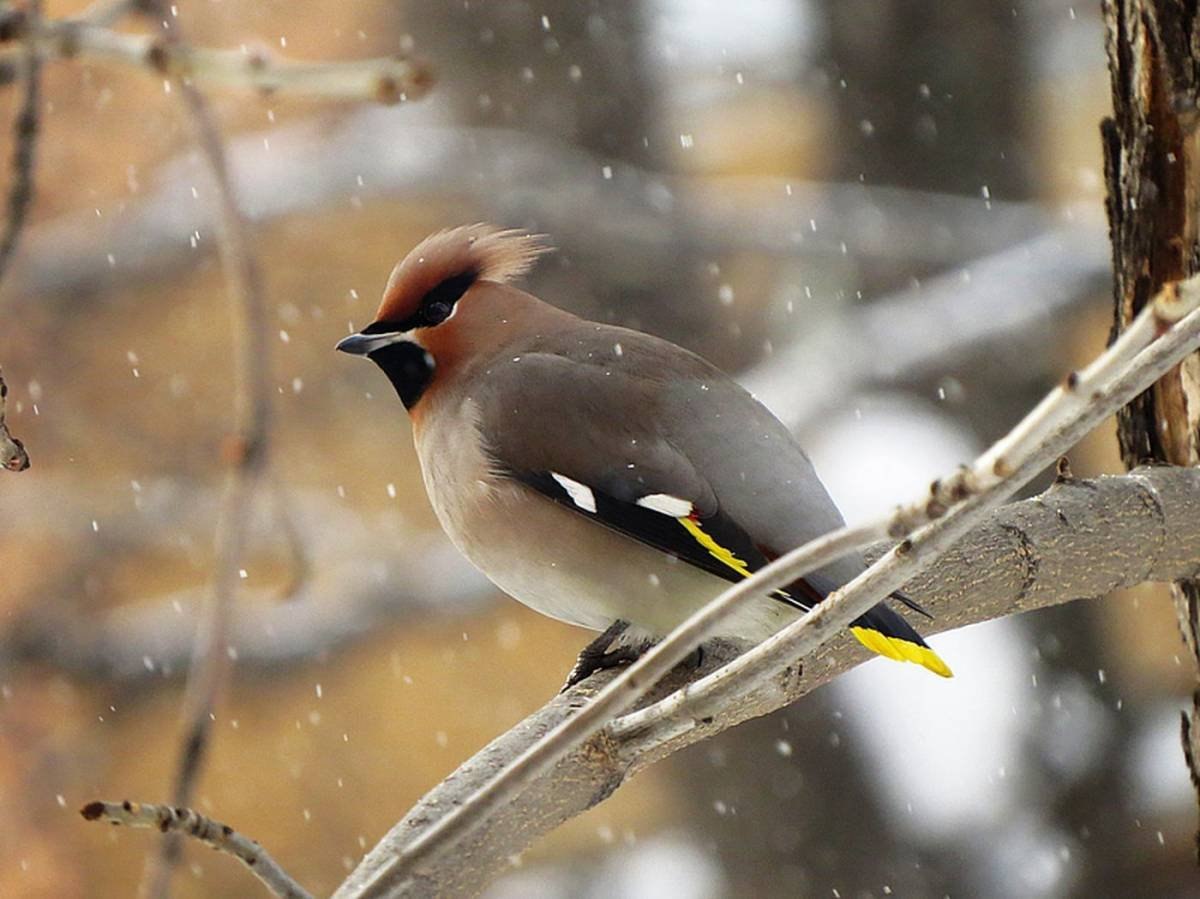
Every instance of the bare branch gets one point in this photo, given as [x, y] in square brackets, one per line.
[1078, 539]
[1084, 399]
[385, 80]
[191, 823]
[247, 449]
[25, 134]
[13, 456]
[300, 568]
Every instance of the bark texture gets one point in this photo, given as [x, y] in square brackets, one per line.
[1152, 162]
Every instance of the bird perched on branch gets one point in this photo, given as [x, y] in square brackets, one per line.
[601, 476]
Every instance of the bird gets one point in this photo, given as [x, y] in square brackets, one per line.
[599, 475]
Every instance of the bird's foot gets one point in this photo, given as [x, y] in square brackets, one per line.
[597, 656]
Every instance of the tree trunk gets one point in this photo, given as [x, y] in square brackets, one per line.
[1152, 167]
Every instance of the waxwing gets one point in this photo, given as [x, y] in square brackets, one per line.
[599, 475]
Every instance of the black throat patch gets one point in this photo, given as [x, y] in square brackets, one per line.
[407, 366]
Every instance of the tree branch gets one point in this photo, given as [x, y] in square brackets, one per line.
[247, 449]
[25, 134]
[385, 80]
[1078, 539]
[13, 456]
[186, 821]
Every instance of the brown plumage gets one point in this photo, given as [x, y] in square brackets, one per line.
[594, 472]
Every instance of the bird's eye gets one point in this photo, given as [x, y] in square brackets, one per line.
[437, 312]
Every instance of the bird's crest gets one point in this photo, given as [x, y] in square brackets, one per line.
[444, 265]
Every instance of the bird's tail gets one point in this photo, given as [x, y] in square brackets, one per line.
[882, 630]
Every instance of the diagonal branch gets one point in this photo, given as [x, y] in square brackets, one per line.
[1065, 416]
[186, 821]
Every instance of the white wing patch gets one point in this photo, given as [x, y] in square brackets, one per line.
[581, 494]
[666, 504]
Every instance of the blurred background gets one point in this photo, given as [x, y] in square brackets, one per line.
[885, 216]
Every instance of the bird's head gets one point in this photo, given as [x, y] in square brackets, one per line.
[417, 326]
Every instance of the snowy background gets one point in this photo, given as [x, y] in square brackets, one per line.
[848, 203]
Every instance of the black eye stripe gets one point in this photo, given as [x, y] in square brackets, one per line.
[435, 308]
[438, 303]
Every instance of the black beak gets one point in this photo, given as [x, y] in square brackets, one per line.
[365, 344]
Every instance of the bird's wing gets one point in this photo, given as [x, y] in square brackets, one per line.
[599, 454]
[596, 435]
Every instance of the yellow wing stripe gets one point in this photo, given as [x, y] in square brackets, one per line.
[901, 650]
[890, 647]
[715, 549]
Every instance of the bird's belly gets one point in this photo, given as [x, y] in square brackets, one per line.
[581, 572]
[559, 562]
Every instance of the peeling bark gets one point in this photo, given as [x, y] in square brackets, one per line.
[1152, 169]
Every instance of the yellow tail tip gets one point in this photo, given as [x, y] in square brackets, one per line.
[901, 650]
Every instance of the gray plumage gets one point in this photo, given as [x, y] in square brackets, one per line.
[593, 472]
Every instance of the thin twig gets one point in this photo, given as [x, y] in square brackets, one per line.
[188, 822]
[13, 456]
[25, 134]
[1069, 400]
[300, 566]
[1067, 414]
[247, 453]
[959, 503]
[385, 80]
